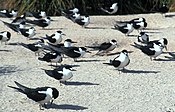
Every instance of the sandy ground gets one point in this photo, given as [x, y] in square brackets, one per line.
[148, 86]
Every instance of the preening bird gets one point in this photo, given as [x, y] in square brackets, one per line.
[143, 38]
[111, 10]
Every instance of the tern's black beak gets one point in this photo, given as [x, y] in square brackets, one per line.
[51, 20]
[166, 48]
[73, 70]
[63, 34]
[88, 52]
[74, 42]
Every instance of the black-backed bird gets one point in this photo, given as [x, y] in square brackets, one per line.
[15, 27]
[105, 47]
[19, 19]
[42, 95]
[152, 50]
[121, 61]
[29, 33]
[35, 47]
[55, 38]
[51, 47]
[164, 9]
[37, 15]
[61, 75]
[84, 21]
[143, 38]
[5, 36]
[140, 25]
[70, 11]
[111, 10]
[52, 57]
[44, 22]
[6, 13]
[74, 52]
[124, 28]
[163, 41]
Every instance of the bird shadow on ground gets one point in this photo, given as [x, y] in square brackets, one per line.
[79, 83]
[139, 71]
[167, 59]
[170, 15]
[151, 32]
[13, 44]
[132, 36]
[89, 60]
[34, 38]
[153, 28]
[66, 107]
[95, 28]
[50, 28]
[61, 66]
[5, 50]
[7, 70]
[109, 54]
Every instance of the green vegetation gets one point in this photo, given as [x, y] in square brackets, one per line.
[53, 7]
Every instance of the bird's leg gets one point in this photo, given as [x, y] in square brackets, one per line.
[75, 59]
[151, 58]
[51, 102]
[45, 105]
[40, 106]
[60, 83]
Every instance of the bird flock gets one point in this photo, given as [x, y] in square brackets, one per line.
[51, 49]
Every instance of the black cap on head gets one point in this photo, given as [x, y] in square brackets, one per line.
[113, 40]
[124, 51]
[55, 93]
[165, 41]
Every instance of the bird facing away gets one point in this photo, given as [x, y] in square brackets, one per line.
[5, 36]
[53, 57]
[62, 75]
[37, 15]
[152, 50]
[40, 22]
[83, 21]
[15, 27]
[70, 11]
[35, 47]
[111, 10]
[105, 47]
[74, 52]
[125, 28]
[42, 95]
[121, 61]
[19, 19]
